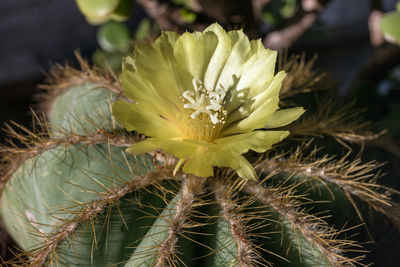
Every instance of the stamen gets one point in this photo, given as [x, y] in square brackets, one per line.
[188, 96]
[204, 101]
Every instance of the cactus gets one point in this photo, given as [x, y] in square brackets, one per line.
[72, 196]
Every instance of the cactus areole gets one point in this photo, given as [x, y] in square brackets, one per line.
[73, 196]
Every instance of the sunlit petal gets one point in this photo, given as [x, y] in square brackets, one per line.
[284, 117]
[204, 97]
[135, 117]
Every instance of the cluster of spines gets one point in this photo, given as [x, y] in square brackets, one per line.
[354, 177]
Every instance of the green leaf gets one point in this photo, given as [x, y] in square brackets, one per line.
[123, 10]
[108, 61]
[143, 30]
[189, 4]
[188, 16]
[97, 11]
[289, 8]
[113, 37]
[390, 27]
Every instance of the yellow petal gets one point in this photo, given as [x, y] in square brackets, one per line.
[167, 39]
[138, 118]
[179, 147]
[246, 171]
[256, 46]
[197, 165]
[150, 144]
[256, 119]
[210, 42]
[193, 52]
[284, 117]
[222, 156]
[258, 70]
[178, 165]
[270, 91]
[189, 52]
[240, 53]
[157, 67]
[156, 77]
[258, 141]
[219, 57]
[143, 92]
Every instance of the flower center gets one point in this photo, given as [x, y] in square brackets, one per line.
[206, 109]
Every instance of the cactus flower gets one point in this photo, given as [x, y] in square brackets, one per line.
[205, 97]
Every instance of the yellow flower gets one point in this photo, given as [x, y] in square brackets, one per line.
[205, 97]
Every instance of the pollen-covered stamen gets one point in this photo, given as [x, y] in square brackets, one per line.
[209, 102]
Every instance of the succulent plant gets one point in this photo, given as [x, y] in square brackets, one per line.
[73, 195]
[389, 26]
[100, 11]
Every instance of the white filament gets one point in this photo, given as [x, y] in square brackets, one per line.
[209, 102]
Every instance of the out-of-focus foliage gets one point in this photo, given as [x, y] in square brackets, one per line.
[276, 11]
[143, 30]
[114, 37]
[99, 11]
[388, 90]
[390, 26]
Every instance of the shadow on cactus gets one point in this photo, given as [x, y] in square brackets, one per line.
[189, 107]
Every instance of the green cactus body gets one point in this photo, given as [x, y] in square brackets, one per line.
[82, 109]
[79, 200]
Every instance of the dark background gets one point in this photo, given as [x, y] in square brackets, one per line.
[37, 33]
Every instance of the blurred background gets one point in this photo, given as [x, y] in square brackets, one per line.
[34, 34]
[37, 33]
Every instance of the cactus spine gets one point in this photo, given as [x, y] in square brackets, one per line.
[73, 197]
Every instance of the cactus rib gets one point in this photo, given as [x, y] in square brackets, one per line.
[312, 228]
[342, 122]
[62, 78]
[353, 177]
[13, 156]
[124, 210]
[246, 252]
[90, 210]
[191, 187]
